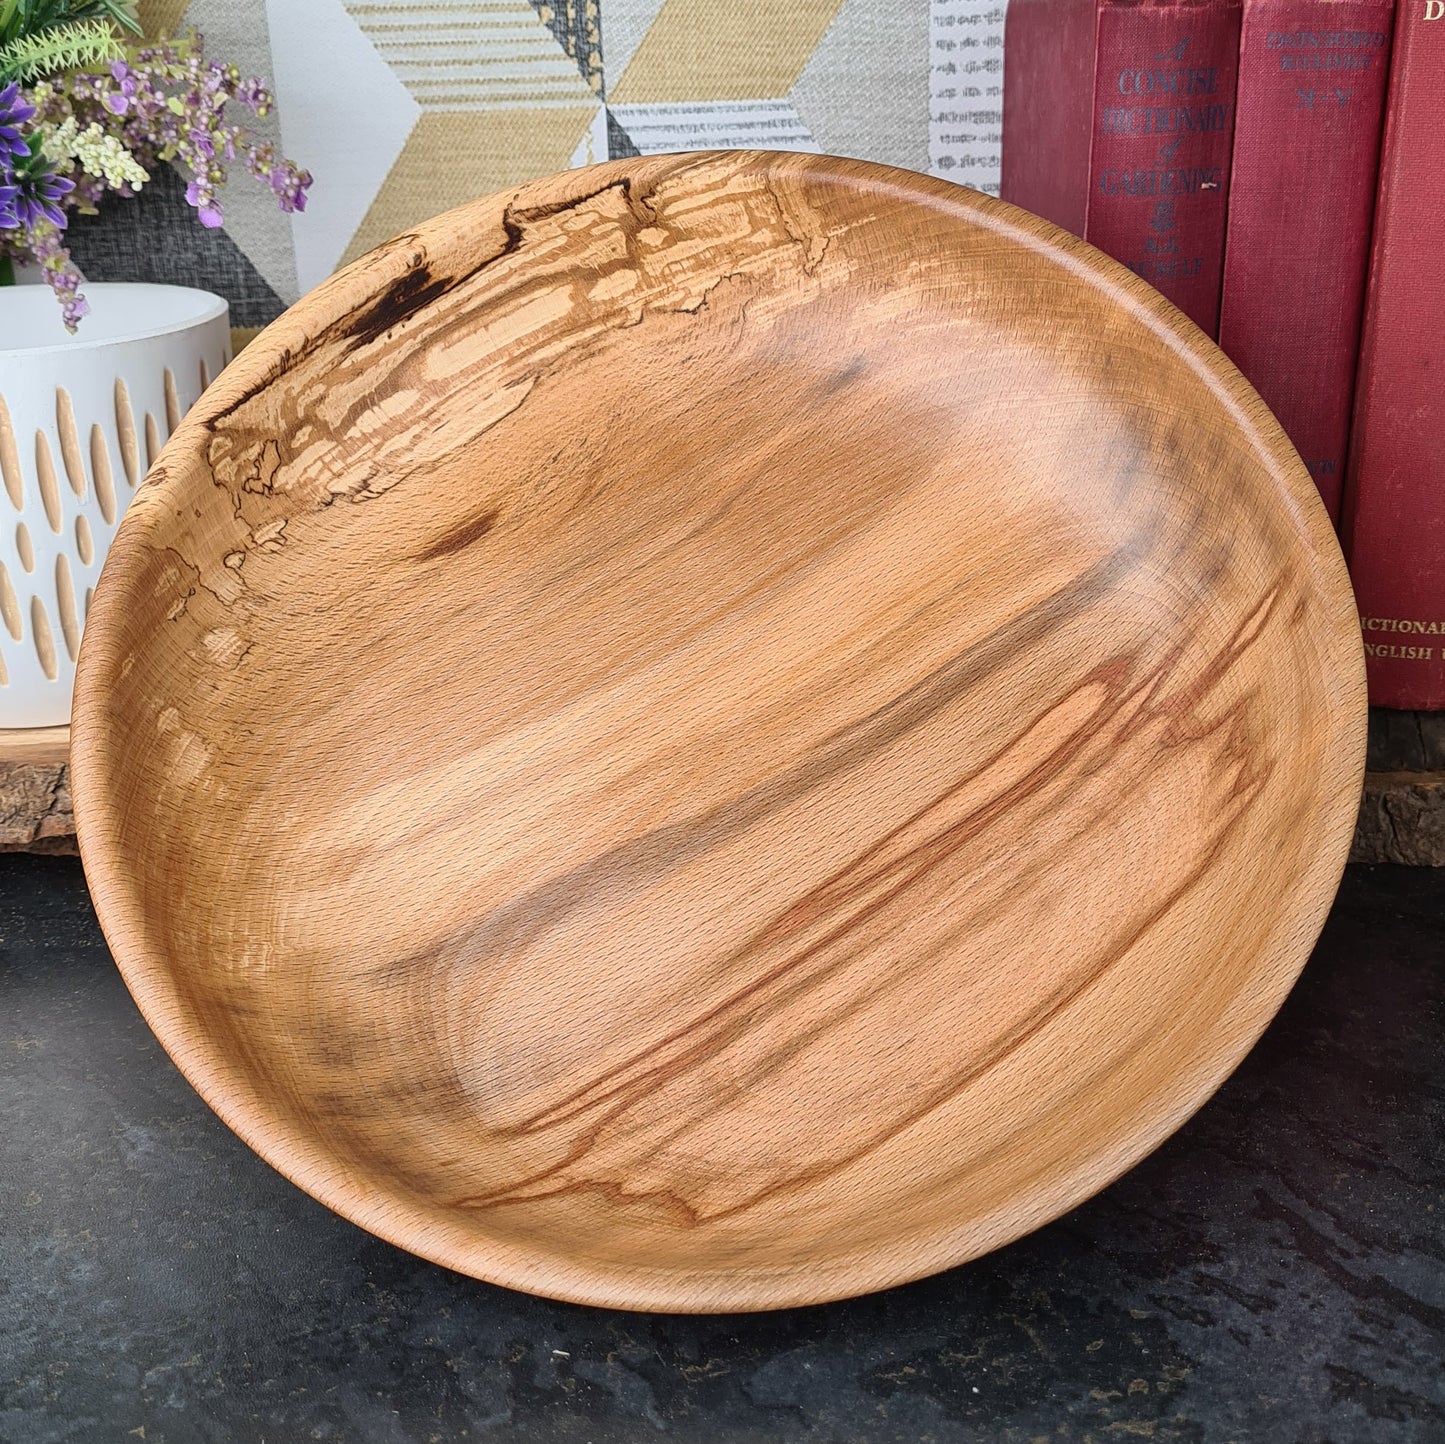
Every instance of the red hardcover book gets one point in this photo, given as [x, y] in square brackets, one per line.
[1310, 105]
[1118, 118]
[1395, 490]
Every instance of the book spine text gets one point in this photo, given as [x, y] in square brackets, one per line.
[1162, 134]
[1395, 489]
[1312, 79]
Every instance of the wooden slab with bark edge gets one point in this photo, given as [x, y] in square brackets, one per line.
[35, 811]
[34, 746]
[718, 732]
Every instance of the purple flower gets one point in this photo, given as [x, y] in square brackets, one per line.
[60, 271]
[38, 189]
[208, 208]
[164, 102]
[253, 94]
[118, 102]
[14, 112]
[289, 183]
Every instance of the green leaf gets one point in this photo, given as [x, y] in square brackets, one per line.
[77, 45]
[26, 19]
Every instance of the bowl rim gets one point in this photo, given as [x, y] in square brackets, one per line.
[144, 969]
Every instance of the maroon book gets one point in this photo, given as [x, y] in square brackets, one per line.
[1395, 489]
[1118, 119]
[1311, 101]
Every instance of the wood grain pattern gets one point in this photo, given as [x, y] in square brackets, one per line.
[1401, 819]
[34, 746]
[877, 702]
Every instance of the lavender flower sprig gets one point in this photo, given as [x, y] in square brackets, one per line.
[68, 141]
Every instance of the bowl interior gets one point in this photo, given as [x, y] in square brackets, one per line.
[718, 732]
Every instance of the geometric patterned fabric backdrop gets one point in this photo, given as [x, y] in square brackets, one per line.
[404, 108]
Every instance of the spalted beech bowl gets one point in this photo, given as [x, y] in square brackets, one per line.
[718, 731]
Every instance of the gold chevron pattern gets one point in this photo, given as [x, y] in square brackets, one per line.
[405, 108]
[489, 54]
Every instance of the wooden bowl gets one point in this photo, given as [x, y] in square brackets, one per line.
[718, 732]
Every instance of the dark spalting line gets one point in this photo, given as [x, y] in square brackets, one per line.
[471, 529]
[526, 1191]
[419, 288]
[411, 292]
[842, 377]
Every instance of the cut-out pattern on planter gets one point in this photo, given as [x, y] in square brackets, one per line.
[100, 472]
[49, 486]
[43, 639]
[69, 616]
[10, 459]
[125, 433]
[74, 421]
[70, 441]
[9, 605]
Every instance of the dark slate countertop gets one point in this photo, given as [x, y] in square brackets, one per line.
[1275, 1272]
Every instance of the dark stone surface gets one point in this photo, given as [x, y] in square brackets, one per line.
[1401, 819]
[1406, 741]
[1275, 1272]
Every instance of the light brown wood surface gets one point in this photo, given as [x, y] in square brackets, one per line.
[1401, 819]
[34, 746]
[718, 732]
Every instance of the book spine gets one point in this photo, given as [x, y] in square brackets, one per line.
[1311, 101]
[1048, 97]
[1395, 489]
[1162, 132]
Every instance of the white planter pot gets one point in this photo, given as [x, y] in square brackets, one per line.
[81, 419]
